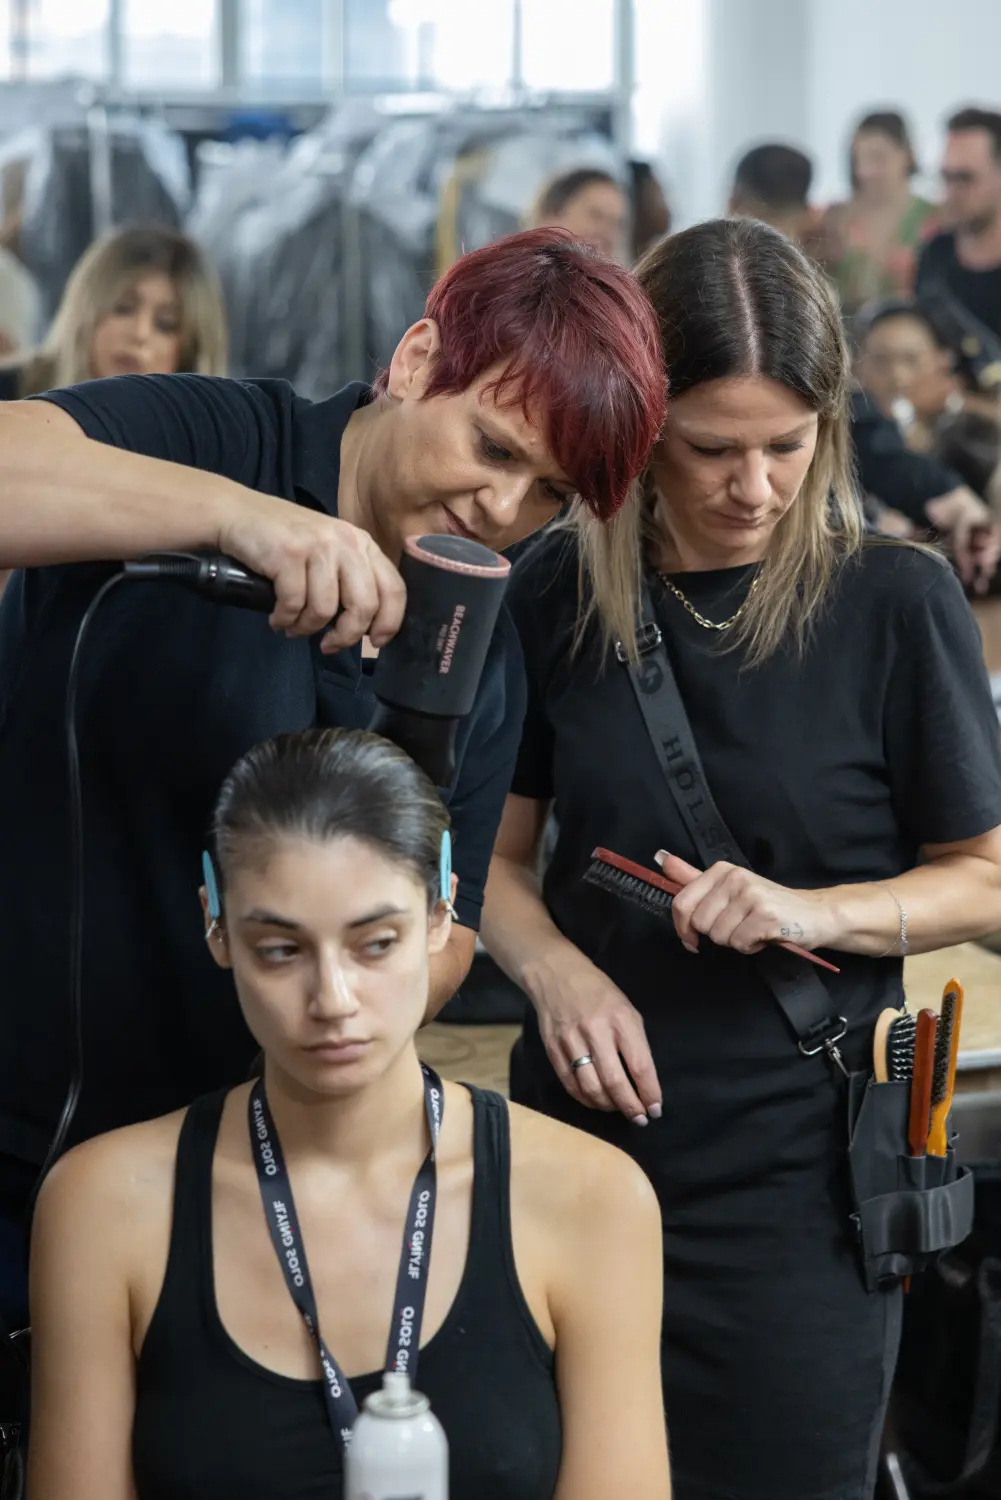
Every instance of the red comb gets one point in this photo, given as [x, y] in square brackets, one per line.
[673, 888]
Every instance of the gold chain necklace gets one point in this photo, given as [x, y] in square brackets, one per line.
[701, 619]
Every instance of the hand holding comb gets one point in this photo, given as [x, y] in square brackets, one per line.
[653, 892]
[944, 1070]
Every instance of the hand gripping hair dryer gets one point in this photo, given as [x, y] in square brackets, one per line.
[426, 678]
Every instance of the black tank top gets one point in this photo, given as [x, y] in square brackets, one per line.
[212, 1424]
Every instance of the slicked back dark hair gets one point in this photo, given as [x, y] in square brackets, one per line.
[324, 784]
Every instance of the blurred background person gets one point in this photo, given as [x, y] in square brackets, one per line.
[907, 493]
[591, 204]
[911, 364]
[871, 242]
[965, 259]
[20, 305]
[142, 301]
[772, 183]
[651, 210]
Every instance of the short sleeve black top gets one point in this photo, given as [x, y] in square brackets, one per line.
[979, 292]
[173, 690]
[835, 768]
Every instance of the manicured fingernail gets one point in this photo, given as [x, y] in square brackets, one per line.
[654, 1111]
[640, 1120]
[660, 856]
[690, 947]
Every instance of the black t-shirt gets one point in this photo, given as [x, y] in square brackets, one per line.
[889, 470]
[832, 769]
[173, 689]
[979, 291]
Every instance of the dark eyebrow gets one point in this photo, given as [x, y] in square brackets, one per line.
[379, 915]
[263, 918]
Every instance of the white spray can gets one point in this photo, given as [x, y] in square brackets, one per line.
[398, 1450]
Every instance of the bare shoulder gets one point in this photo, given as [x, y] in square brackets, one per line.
[38, 416]
[127, 1171]
[560, 1173]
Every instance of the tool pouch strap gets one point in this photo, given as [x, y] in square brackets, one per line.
[797, 988]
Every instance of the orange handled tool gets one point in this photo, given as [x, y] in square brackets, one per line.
[921, 1084]
[944, 1072]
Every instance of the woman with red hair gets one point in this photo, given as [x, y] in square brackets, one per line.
[534, 377]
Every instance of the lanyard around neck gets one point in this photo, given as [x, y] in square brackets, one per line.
[286, 1236]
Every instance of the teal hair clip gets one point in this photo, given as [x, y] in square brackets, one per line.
[211, 887]
[445, 874]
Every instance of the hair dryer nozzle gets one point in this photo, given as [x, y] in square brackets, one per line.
[427, 676]
[429, 742]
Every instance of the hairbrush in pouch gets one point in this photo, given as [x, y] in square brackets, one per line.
[893, 1047]
[944, 1067]
[921, 1083]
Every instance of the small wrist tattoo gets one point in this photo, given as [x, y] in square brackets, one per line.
[794, 931]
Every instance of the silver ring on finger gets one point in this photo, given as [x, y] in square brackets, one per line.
[585, 1061]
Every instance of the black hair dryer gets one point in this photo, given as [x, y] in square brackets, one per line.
[426, 677]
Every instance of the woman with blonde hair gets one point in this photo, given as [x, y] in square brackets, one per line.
[836, 698]
[591, 204]
[141, 301]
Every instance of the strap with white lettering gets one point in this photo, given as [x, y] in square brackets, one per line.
[286, 1236]
[799, 993]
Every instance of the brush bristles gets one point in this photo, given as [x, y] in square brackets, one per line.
[900, 1049]
[943, 1048]
[629, 888]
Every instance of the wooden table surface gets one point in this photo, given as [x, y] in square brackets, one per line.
[988, 614]
[979, 972]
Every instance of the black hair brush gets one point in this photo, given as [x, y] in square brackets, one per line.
[654, 893]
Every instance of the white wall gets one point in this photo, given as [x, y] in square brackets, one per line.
[926, 57]
[718, 76]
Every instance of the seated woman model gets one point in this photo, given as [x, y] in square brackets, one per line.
[169, 1357]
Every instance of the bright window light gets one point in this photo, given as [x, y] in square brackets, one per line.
[456, 44]
[283, 41]
[170, 43]
[568, 45]
[54, 39]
